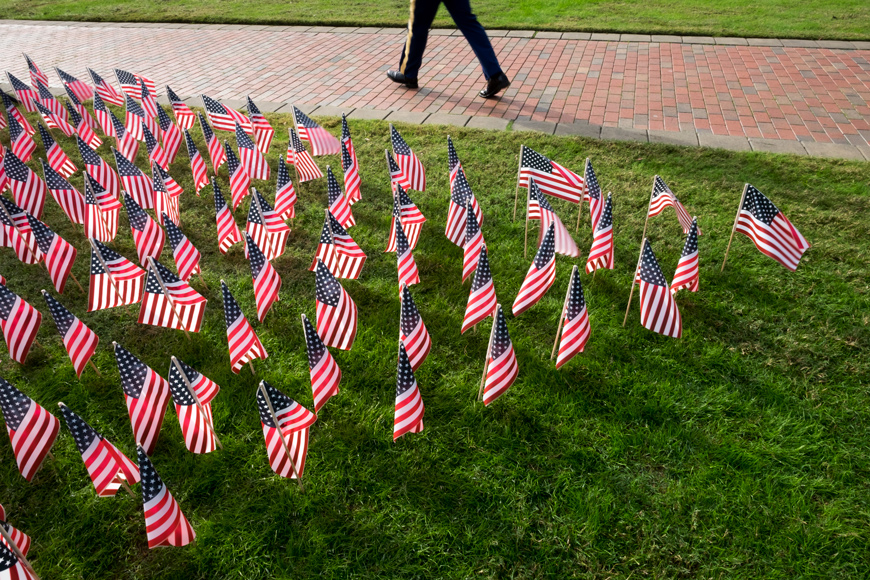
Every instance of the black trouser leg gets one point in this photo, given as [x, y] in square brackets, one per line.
[422, 14]
[466, 21]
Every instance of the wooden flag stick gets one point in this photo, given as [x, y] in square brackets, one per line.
[526, 240]
[168, 298]
[127, 488]
[251, 364]
[580, 208]
[201, 279]
[11, 543]
[108, 272]
[564, 310]
[734, 228]
[196, 400]
[633, 278]
[517, 192]
[76, 280]
[37, 343]
[488, 351]
[96, 370]
[647, 208]
[281, 434]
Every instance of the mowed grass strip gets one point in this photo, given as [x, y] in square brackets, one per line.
[738, 451]
[813, 19]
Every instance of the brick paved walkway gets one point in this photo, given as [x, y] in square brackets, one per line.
[701, 87]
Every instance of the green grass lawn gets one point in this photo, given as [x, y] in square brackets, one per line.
[815, 19]
[738, 451]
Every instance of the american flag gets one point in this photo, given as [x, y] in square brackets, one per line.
[55, 120]
[481, 299]
[129, 83]
[124, 140]
[4, 181]
[47, 100]
[10, 565]
[169, 301]
[165, 523]
[149, 105]
[336, 311]
[592, 193]
[115, 280]
[473, 242]
[251, 156]
[397, 177]
[215, 149]
[104, 116]
[349, 165]
[412, 331]
[350, 256]
[36, 75]
[70, 200]
[197, 165]
[326, 250]
[552, 178]
[185, 254]
[135, 118]
[285, 194]
[662, 197]
[156, 154]
[541, 274]
[16, 233]
[106, 91]
[146, 394]
[20, 143]
[267, 282]
[540, 209]
[243, 342]
[412, 169]
[224, 118]
[658, 310]
[165, 206]
[28, 189]
[501, 363]
[99, 169]
[183, 115]
[263, 131]
[409, 403]
[240, 180]
[32, 430]
[453, 164]
[338, 205]
[322, 142]
[149, 237]
[101, 211]
[75, 104]
[84, 124]
[197, 424]
[79, 340]
[266, 227]
[21, 540]
[59, 254]
[80, 89]
[227, 230]
[286, 425]
[770, 230]
[325, 374]
[412, 219]
[460, 195]
[575, 332]
[56, 156]
[107, 467]
[12, 111]
[298, 157]
[25, 94]
[407, 267]
[171, 135]
[170, 184]
[686, 275]
[137, 185]
[601, 253]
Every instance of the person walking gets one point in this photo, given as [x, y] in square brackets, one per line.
[422, 14]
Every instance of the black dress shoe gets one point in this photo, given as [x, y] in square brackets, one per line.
[495, 85]
[398, 77]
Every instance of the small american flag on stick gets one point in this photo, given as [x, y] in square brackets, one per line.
[183, 251]
[574, 322]
[80, 89]
[224, 118]
[79, 340]
[592, 193]
[481, 299]
[99, 169]
[197, 165]
[663, 197]
[54, 119]
[26, 95]
[106, 91]
[267, 282]
[15, 232]
[101, 211]
[286, 426]
[325, 374]
[149, 236]
[473, 242]
[409, 404]
[552, 178]
[541, 274]
[115, 280]
[183, 115]
[501, 366]
[59, 254]
[769, 229]
[658, 310]
[12, 111]
[687, 273]
[349, 165]
[601, 253]
[104, 117]
[156, 154]
[137, 185]
[251, 156]
[412, 169]
[169, 301]
[70, 200]
[165, 524]
[460, 196]
[263, 131]
[298, 157]
[243, 342]
[240, 180]
[266, 227]
[58, 160]
[28, 189]
[36, 75]
[285, 194]
[146, 394]
[350, 256]
[32, 430]
[124, 140]
[322, 141]
[215, 149]
[227, 230]
[192, 393]
[135, 117]
[20, 142]
[171, 134]
[338, 205]
[336, 311]
[407, 267]
[165, 206]
[412, 331]
[539, 208]
[84, 124]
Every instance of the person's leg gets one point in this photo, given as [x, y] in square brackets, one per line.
[422, 14]
[466, 21]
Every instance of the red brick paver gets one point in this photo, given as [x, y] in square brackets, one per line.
[809, 94]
